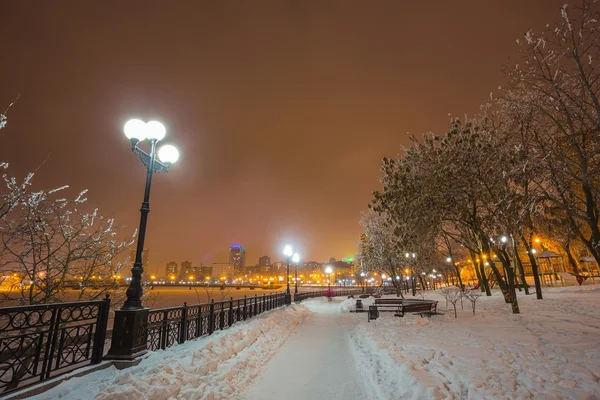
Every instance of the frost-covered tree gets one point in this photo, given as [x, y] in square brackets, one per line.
[49, 242]
[557, 82]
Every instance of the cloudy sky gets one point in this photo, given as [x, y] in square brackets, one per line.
[282, 110]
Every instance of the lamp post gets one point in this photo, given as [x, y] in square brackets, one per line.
[288, 252]
[296, 260]
[130, 326]
[329, 271]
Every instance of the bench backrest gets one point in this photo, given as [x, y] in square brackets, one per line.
[388, 301]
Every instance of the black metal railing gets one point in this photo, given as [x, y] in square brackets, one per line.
[169, 326]
[43, 341]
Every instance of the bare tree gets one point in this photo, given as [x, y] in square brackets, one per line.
[452, 295]
[472, 296]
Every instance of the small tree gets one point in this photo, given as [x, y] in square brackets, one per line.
[452, 295]
[472, 296]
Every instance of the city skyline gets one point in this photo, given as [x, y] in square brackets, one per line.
[280, 151]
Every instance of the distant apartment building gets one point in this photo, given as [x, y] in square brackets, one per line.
[171, 270]
[205, 272]
[188, 273]
[264, 261]
[222, 272]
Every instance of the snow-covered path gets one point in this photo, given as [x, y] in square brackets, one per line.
[315, 362]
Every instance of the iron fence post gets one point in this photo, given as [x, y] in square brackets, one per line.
[230, 311]
[244, 307]
[184, 323]
[211, 317]
[100, 336]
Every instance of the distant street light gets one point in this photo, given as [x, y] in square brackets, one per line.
[296, 260]
[138, 131]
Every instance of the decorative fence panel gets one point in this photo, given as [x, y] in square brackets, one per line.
[43, 341]
[169, 326]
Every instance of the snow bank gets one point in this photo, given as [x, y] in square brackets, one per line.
[217, 367]
[350, 304]
[550, 351]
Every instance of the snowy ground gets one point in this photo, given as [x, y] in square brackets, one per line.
[322, 351]
[549, 351]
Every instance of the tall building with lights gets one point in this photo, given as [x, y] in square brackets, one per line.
[237, 256]
[171, 269]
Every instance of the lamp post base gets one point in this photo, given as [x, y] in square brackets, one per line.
[129, 335]
[288, 299]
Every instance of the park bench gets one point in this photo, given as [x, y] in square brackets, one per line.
[422, 308]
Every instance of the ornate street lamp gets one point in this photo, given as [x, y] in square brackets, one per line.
[131, 321]
[296, 260]
[288, 252]
[138, 131]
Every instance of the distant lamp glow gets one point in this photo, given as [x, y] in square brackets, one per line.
[448, 259]
[296, 258]
[135, 130]
[168, 154]
[382, 276]
[155, 130]
[328, 270]
[288, 251]
[414, 255]
[537, 240]
[362, 274]
[503, 239]
[533, 251]
[407, 255]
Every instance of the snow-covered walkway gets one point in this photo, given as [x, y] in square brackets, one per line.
[315, 362]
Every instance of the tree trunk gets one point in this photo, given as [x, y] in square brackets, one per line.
[534, 268]
[460, 282]
[484, 279]
[510, 278]
[519, 264]
[567, 248]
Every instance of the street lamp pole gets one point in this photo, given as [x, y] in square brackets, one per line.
[296, 260]
[129, 335]
[288, 252]
[134, 291]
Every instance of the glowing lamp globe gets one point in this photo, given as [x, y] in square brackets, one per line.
[135, 130]
[287, 251]
[168, 154]
[155, 130]
[296, 258]
[328, 270]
